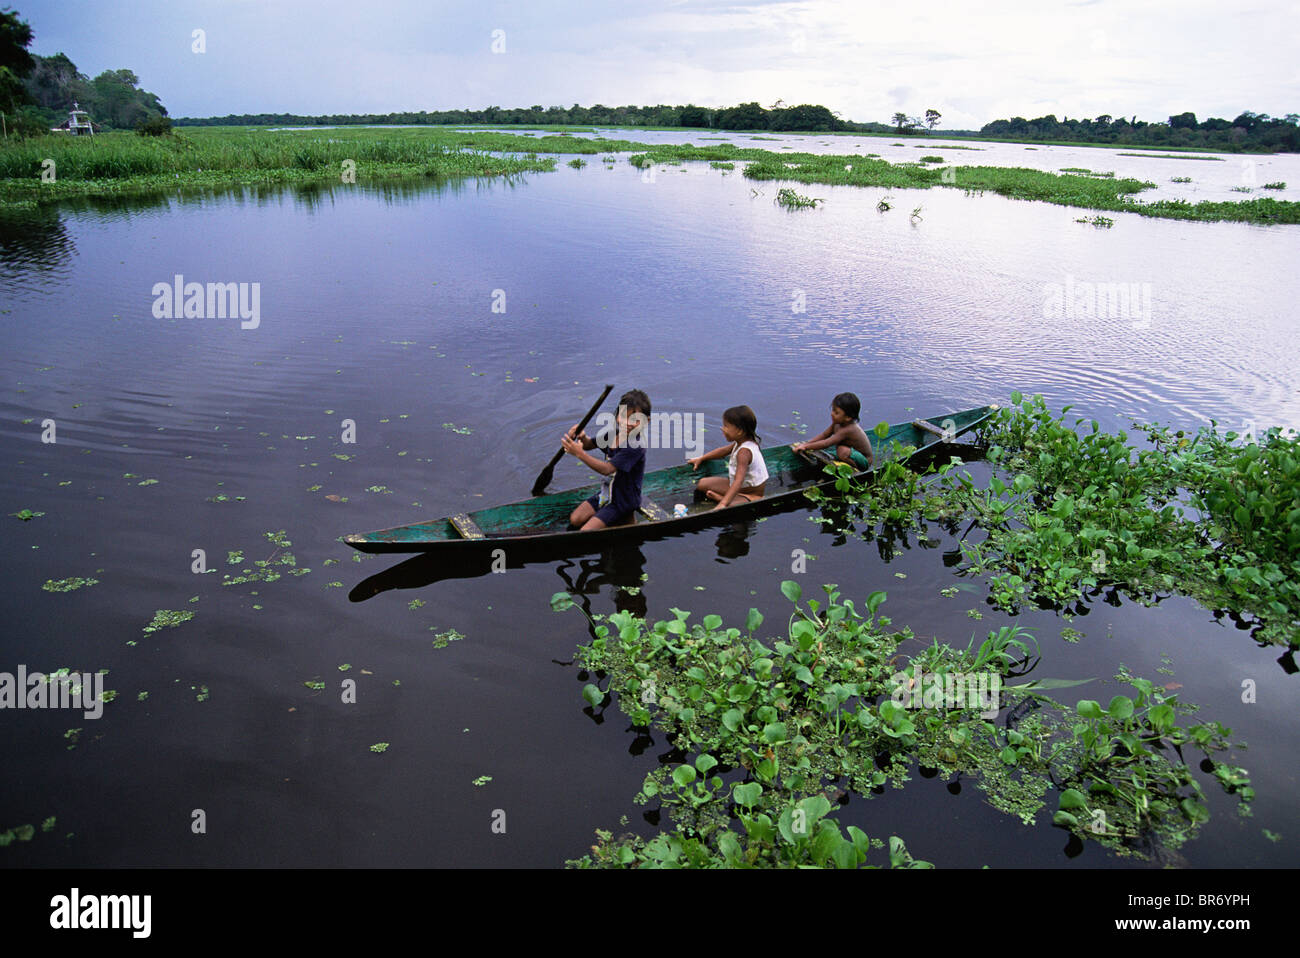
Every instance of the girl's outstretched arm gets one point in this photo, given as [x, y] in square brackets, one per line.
[713, 454]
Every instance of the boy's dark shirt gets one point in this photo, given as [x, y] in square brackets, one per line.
[625, 484]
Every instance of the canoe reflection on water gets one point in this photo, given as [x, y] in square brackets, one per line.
[620, 566]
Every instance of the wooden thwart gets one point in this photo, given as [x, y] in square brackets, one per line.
[466, 526]
[817, 456]
[928, 427]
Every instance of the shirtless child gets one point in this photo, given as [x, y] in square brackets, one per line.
[850, 442]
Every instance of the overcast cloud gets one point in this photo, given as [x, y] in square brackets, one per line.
[972, 62]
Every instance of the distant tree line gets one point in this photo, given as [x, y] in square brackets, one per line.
[1249, 131]
[806, 117]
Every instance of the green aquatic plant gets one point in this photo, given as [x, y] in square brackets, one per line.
[217, 157]
[26, 515]
[23, 833]
[795, 201]
[442, 639]
[121, 162]
[68, 585]
[817, 842]
[265, 570]
[1174, 156]
[1278, 185]
[1070, 511]
[167, 619]
[769, 727]
[1118, 780]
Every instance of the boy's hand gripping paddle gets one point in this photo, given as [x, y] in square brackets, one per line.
[548, 473]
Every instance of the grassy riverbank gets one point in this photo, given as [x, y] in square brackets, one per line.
[116, 163]
[54, 166]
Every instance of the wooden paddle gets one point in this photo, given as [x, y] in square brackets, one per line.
[544, 479]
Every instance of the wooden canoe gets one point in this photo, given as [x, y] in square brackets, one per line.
[544, 520]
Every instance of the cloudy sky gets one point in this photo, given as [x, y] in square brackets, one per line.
[864, 59]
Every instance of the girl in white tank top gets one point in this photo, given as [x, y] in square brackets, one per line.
[746, 470]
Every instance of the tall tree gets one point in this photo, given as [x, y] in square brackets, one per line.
[15, 62]
[932, 118]
[55, 83]
[692, 115]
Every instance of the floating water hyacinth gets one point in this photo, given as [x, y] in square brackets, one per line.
[68, 585]
[167, 618]
[792, 200]
[441, 639]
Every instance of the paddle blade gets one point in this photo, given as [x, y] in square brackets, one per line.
[544, 480]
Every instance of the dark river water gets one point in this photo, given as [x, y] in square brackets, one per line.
[461, 328]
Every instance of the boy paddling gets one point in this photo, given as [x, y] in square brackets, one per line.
[623, 466]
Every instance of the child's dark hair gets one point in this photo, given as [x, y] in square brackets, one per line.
[634, 400]
[850, 403]
[743, 418]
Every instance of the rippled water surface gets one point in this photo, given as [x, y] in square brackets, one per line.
[377, 306]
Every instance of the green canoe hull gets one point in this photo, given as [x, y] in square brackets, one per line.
[543, 521]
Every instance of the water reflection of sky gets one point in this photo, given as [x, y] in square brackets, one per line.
[693, 282]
